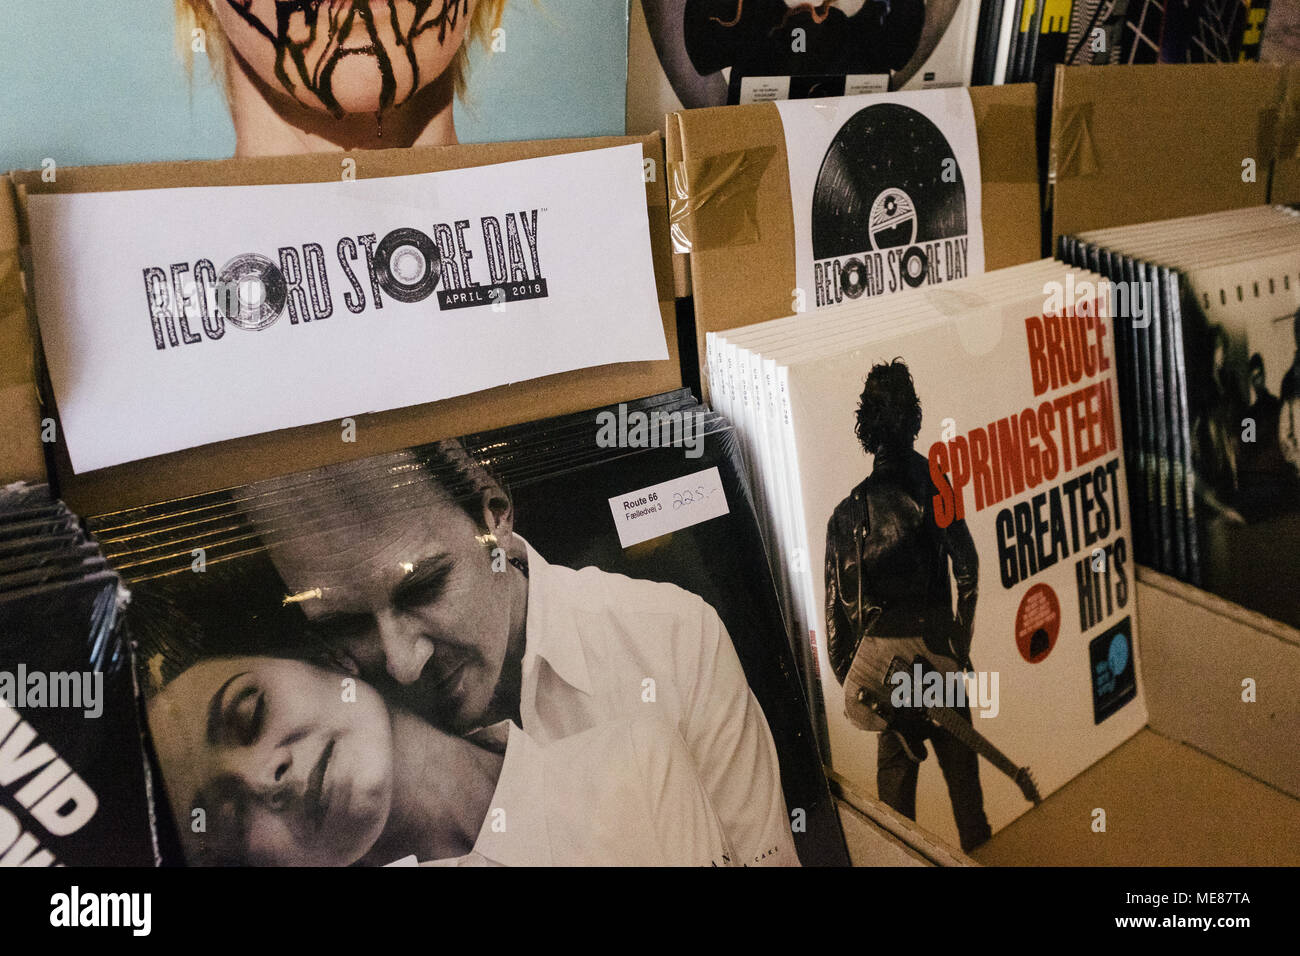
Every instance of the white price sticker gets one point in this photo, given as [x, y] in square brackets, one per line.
[866, 83]
[764, 89]
[668, 506]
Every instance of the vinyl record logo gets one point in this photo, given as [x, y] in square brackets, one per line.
[406, 265]
[254, 291]
[893, 219]
[889, 207]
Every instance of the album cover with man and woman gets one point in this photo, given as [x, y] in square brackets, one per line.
[543, 646]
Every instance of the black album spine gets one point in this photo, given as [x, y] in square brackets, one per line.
[1174, 283]
[1160, 419]
[1146, 401]
[986, 43]
[1173, 430]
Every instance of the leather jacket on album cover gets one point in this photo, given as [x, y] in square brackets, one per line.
[887, 565]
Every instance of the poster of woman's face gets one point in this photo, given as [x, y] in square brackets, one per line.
[155, 80]
[347, 58]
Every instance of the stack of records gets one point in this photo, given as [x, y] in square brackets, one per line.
[1208, 322]
[73, 778]
[941, 475]
[555, 643]
[1023, 40]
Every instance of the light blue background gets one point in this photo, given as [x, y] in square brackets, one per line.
[98, 81]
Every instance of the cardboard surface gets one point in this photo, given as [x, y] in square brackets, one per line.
[879, 825]
[1194, 666]
[262, 456]
[1140, 143]
[869, 845]
[752, 279]
[21, 455]
[1166, 804]
[1285, 187]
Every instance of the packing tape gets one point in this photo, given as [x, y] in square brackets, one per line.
[1279, 132]
[1002, 124]
[1076, 153]
[713, 202]
[14, 369]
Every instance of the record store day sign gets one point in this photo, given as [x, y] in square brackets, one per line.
[177, 317]
[886, 193]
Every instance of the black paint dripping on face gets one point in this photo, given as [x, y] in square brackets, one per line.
[340, 17]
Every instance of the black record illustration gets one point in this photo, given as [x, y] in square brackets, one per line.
[889, 179]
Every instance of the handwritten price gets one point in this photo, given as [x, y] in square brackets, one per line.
[690, 496]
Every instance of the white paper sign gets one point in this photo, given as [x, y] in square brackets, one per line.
[668, 506]
[306, 303]
[885, 192]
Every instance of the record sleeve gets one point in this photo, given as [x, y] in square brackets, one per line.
[1229, 300]
[693, 53]
[1242, 343]
[986, 42]
[589, 643]
[1212, 31]
[73, 779]
[1160, 294]
[955, 548]
[1186, 465]
[1149, 409]
[1140, 38]
[1157, 356]
[1095, 30]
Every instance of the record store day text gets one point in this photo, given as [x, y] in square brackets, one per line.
[205, 313]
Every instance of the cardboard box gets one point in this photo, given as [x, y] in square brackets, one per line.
[740, 227]
[1140, 143]
[1213, 780]
[262, 456]
[1285, 187]
[23, 457]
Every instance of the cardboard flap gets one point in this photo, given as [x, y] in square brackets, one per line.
[262, 456]
[1285, 187]
[1228, 692]
[752, 279]
[1139, 143]
[22, 459]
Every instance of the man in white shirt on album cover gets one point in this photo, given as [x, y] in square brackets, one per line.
[623, 791]
[421, 586]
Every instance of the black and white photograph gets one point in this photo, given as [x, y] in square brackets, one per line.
[413, 662]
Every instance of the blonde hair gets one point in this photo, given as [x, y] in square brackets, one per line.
[192, 15]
